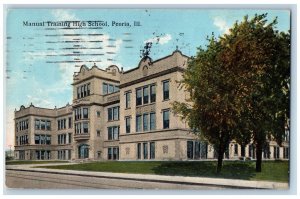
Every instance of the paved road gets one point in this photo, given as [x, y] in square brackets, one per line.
[25, 179]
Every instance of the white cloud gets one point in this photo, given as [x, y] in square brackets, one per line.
[160, 39]
[221, 24]
[63, 15]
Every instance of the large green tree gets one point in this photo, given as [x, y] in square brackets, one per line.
[210, 111]
[260, 57]
[239, 86]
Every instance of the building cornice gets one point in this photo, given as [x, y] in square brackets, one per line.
[162, 73]
[94, 76]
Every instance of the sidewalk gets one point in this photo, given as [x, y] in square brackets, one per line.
[219, 182]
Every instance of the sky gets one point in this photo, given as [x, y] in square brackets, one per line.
[41, 60]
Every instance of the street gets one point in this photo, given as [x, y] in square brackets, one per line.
[32, 180]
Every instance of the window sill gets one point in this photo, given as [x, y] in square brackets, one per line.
[165, 100]
[145, 104]
[113, 121]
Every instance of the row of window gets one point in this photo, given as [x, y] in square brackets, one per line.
[81, 113]
[21, 140]
[64, 138]
[113, 132]
[81, 127]
[109, 88]
[113, 113]
[147, 94]
[113, 153]
[42, 124]
[42, 139]
[143, 96]
[61, 124]
[149, 122]
[22, 125]
[148, 150]
[197, 150]
[42, 155]
[64, 154]
[83, 91]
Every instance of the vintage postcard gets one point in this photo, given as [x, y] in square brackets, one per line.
[147, 98]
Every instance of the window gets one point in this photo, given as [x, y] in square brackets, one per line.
[88, 89]
[83, 91]
[113, 153]
[98, 113]
[85, 127]
[139, 145]
[138, 96]
[152, 150]
[152, 121]
[43, 126]
[70, 138]
[166, 90]
[110, 88]
[145, 122]
[286, 152]
[113, 113]
[37, 124]
[197, 150]
[146, 95]
[37, 139]
[98, 133]
[104, 89]
[152, 93]
[127, 123]
[109, 153]
[81, 94]
[85, 113]
[116, 113]
[48, 125]
[113, 132]
[190, 150]
[276, 152]
[78, 92]
[236, 149]
[145, 150]
[138, 123]
[61, 124]
[116, 88]
[70, 122]
[48, 139]
[110, 114]
[127, 98]
[166, 119]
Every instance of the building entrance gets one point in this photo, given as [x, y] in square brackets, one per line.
[83, 151]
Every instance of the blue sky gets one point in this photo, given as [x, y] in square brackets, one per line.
[31, 78]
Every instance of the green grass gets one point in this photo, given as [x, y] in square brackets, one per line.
[271, 170]
[31, 162]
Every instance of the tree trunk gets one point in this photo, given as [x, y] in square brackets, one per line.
[221, 150]
[258, 156]
[220, 159]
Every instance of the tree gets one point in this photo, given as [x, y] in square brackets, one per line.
[239, 86]
[210, 111]
[261, 56]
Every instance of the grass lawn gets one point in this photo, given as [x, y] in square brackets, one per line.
[31, 162]
[271, 170]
